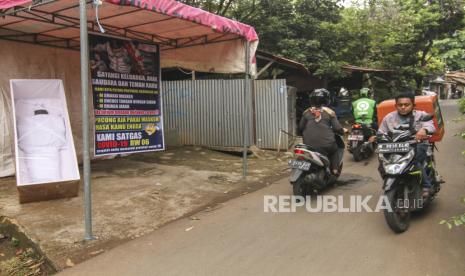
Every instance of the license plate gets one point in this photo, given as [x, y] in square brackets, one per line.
[393, 147]
[355, 138]
[301, 165]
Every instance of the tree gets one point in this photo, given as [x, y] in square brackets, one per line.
[412, 37]
[220, 7]
[402, 34]
[303, 30]
[451, 50]
[236, 9]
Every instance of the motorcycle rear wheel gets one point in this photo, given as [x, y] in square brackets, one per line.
[398, 220]
[299, 188]
[357, 153]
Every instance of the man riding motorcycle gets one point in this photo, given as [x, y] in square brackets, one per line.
[319, 124]
[405, 114]
[364, 111]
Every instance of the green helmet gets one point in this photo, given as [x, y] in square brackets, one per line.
[364, 92]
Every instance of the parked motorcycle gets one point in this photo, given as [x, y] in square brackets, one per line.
[310, 170]
[402, 178]
[359, 144]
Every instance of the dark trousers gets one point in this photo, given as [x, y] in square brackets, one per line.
[331, 153]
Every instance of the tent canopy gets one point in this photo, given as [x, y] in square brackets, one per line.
[189, 37]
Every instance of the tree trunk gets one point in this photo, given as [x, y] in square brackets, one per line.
[419, 81]
[423, 61]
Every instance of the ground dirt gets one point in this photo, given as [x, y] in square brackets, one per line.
[134, 195]
[18, 254]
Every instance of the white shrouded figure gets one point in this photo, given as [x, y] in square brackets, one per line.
[41, 137]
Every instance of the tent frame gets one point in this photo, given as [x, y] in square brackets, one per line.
[39, 16]
[86, 27]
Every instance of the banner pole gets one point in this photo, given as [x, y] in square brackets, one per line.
[246, 108]
[85, 119]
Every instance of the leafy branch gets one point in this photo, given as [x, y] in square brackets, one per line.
[456, 221]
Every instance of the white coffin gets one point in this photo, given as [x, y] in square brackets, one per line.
[46, 163]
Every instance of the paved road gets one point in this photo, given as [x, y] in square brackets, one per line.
[240, 239]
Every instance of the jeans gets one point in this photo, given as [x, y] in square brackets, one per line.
[421, 162]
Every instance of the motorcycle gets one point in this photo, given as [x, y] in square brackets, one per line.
[359, 145]
[310, 170]
[402, 178]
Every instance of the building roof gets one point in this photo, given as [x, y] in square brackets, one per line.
[283, 61]
[457, 77]
[354, 68]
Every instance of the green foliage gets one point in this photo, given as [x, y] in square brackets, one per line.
[414, 38]
[455, 221]
[402, 33]
[458, 220]
[14, 242]
[303, 30]
[462, 105]
[25, 263]
[452, 50]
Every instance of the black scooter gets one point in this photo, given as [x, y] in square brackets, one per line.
[310, 170]
[402, 178]
[359, 144]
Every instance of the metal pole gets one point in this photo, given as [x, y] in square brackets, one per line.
[85, 119]
[246, 108]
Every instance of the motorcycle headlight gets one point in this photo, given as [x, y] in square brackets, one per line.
[392, 158]
[409, 156]
[396, 163]
[395, 168]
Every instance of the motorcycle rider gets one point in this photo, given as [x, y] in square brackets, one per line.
[406, 114]
[319, 125]
[364, 111]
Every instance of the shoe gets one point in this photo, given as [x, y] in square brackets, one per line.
[439, 179]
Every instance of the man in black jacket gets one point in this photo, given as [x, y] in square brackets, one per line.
[319, 124]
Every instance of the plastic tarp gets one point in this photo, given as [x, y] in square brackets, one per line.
[189, 37]
[7, 166]
[223, 57]
[207, 43]
[185, 12]
[21, 60]
[5, 4]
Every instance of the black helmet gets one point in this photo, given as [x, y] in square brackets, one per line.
[319, 97]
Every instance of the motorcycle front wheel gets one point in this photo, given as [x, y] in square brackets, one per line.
[399, 219]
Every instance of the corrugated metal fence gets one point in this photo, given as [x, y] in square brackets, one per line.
[272, 113]
[211, 113]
